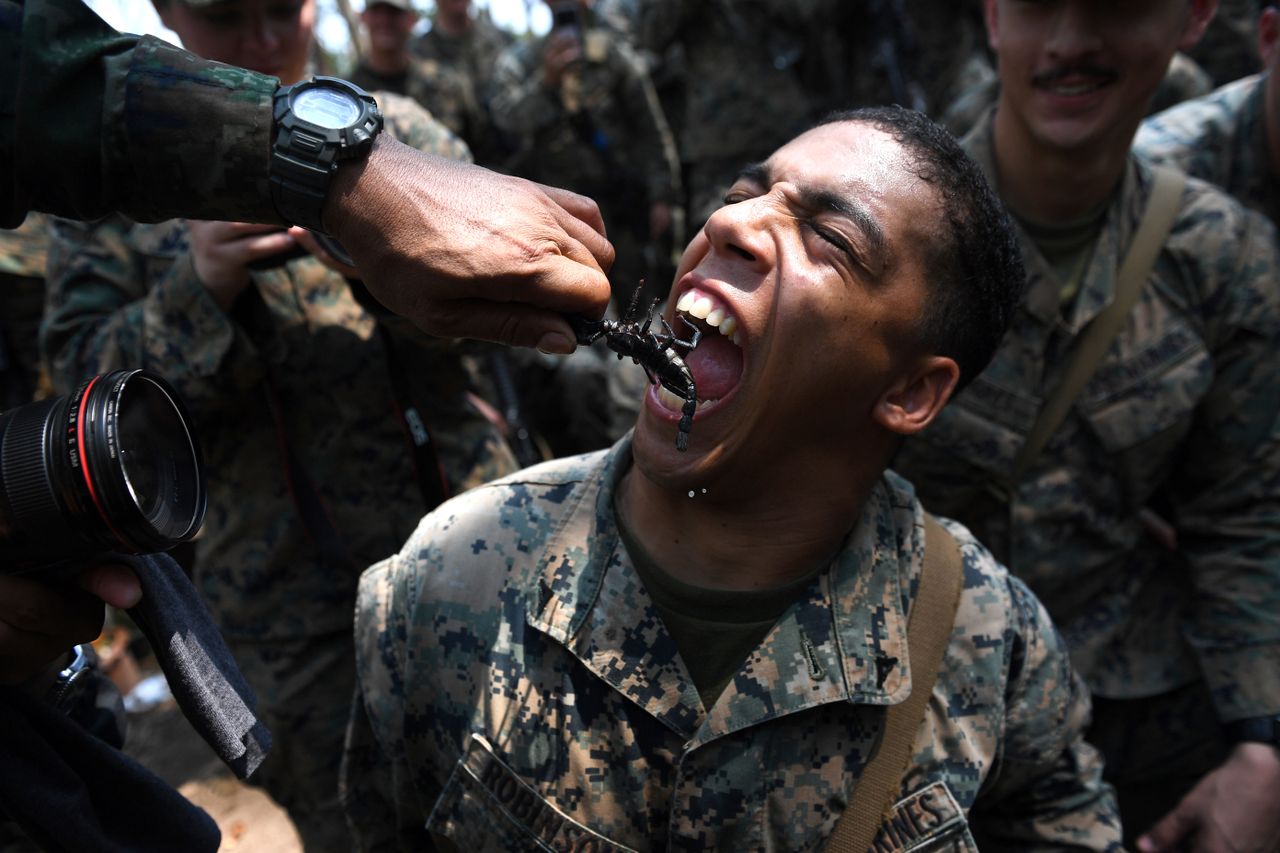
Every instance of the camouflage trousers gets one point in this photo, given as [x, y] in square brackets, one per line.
[304, 689]
[1156, 749]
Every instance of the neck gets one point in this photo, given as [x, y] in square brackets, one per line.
[1049, 184]
[387, 62]
[759, 541]
[454, 25]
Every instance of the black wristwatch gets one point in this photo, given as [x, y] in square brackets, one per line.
[319, 123]
[1253, 730]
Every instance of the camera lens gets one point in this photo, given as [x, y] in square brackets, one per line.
[113, 467]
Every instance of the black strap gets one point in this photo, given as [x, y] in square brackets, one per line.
[432, 481]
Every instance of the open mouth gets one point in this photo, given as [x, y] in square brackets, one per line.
[717, 361]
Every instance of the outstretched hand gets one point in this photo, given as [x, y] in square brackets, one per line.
[40, 623]
[1233, 809]
[466, 252]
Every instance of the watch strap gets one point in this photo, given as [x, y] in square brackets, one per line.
[1253, 730]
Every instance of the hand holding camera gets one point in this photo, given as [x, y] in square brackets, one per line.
[113, 468]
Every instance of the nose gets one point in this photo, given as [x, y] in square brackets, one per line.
[740, 230]
[1074, 31]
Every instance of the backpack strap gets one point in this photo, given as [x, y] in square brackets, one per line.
[929, 629]
[1157, 219]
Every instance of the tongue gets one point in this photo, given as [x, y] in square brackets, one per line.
[716, 366]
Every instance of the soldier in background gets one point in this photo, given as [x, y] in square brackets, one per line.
[1149, 520]
[389, 66]
[647, 649]
[1230, 138]
[22, 262]
[304, 399]
[581, 104]
[469, 44]
[1229, 49]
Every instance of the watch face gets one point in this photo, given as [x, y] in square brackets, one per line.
[326, 108]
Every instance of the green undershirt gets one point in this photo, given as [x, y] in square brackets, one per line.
[714, 629]
[1068, 247]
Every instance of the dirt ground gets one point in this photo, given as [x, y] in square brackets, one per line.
[251, 822]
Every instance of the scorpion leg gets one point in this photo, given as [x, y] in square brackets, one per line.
[686, 414]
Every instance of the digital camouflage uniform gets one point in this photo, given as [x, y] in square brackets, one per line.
[443, 91]
[473, 54]
[22, 260]
[68, 145]
[518, 686]
[1181, 416]
[601, 133]
[126, 295]
[1222, 139]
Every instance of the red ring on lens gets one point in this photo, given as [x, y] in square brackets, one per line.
[84, 462]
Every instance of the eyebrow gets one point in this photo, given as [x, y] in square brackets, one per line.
[822, 199]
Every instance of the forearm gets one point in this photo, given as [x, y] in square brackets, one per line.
[104, 121]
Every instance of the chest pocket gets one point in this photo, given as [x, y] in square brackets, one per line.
[929, 819]
[1140, 408]
[486, 806]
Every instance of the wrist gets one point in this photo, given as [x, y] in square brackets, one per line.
[1255, 732]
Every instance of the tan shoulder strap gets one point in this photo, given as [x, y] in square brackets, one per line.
[929, 628]
[1153, 231]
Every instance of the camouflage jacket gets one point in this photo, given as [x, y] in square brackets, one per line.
[95, 121]
[601, 126]
[474, 53]
[126, 295]
[1220, 138]
[1181, 416]
[519, 692]
[436, 87]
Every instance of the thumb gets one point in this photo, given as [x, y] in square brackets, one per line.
[1170, 829]
[510, 323]
[116, 585]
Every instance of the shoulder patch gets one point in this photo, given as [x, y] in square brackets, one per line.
[919, 819]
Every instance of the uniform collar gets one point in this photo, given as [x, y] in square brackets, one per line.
[844, 640]
[1098, 286]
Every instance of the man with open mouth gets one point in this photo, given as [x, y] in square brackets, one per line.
[645, 648]
[1121, 452]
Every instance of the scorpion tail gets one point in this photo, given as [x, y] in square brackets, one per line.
[686, 420]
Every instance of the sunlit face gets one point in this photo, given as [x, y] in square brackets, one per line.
[389, 28]
[1079, 73]
[268, 36]
[809, 290]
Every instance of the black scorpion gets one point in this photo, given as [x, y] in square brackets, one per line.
[654, 352]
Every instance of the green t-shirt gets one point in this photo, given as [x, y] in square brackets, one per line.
[1068, 247]
[714, 629]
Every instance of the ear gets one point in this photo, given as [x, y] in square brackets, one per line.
[1268, 35]
[991, 16]
[912, 403]
[1202, 12]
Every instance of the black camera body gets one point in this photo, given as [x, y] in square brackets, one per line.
[114, 467]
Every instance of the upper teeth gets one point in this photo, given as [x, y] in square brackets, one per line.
[697, 304]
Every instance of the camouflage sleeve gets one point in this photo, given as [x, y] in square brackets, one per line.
[385, 808]
[1045, 788]
[1225, 492]
[521, 102]
[100, 314]
[95, 121]
[413, 125]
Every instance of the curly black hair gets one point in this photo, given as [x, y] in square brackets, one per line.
[974, 263]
